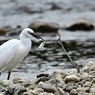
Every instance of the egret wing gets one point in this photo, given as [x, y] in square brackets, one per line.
[7, 53]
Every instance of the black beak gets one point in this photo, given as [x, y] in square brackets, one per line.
[38, 37]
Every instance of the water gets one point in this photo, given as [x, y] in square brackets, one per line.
[79, 44]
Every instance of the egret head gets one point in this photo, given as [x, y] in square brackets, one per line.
[27, 33]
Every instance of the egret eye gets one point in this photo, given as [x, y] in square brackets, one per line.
[30, 33]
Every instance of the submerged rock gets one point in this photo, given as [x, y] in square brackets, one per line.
[40, 26]
[2, 32]
[79, 24]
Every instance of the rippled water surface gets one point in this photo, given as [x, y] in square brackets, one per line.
[79, 44]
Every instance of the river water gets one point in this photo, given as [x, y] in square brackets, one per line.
[79, 44]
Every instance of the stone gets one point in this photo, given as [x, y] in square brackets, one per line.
[73, 92]
[5, 82]
[69, 88]
[87, 94]
[19, 91]
[40, 26]
[17, 80]
[11, 88]
[72, 78]
[2, 32]
[42, 75]
[87, 84]
[38, 90]
[45, 93]
[55, 6]
[92, 90]
[2, 93]
[2, 89]
[61, 92]
[79, 24]
[59, 75]
[43, 79]
[80, 89]
[47, 87]
[53, 81]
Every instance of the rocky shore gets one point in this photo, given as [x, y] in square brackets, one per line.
[59, 82]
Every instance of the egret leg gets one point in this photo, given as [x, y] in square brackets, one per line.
[0, 74]
[9, 73]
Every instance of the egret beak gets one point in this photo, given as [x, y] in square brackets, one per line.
[38, 37]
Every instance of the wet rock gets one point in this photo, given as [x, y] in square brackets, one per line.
[72, 78]
[40, 26]
[29, 10]
[10, 31]
[55, 6]
[7, 28]
[79, 24]
[2, 32]
[42, 75]
[15, 31]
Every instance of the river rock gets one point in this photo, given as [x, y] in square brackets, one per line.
[5, 82]
[79, 24]
[1, 93]
[87, 84]
[92, 90]
[72, 78]
[40, 26]
[2, 32]
[55, 6]
[89, 66]
[17, 80]
[59, 75]
[39, 90]
[80, 89]
[47, 87]
[29, 10]
[45, 93]
[87, 94]
[73, 92]
[19, 91]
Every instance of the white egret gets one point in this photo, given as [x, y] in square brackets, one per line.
[13, 51]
